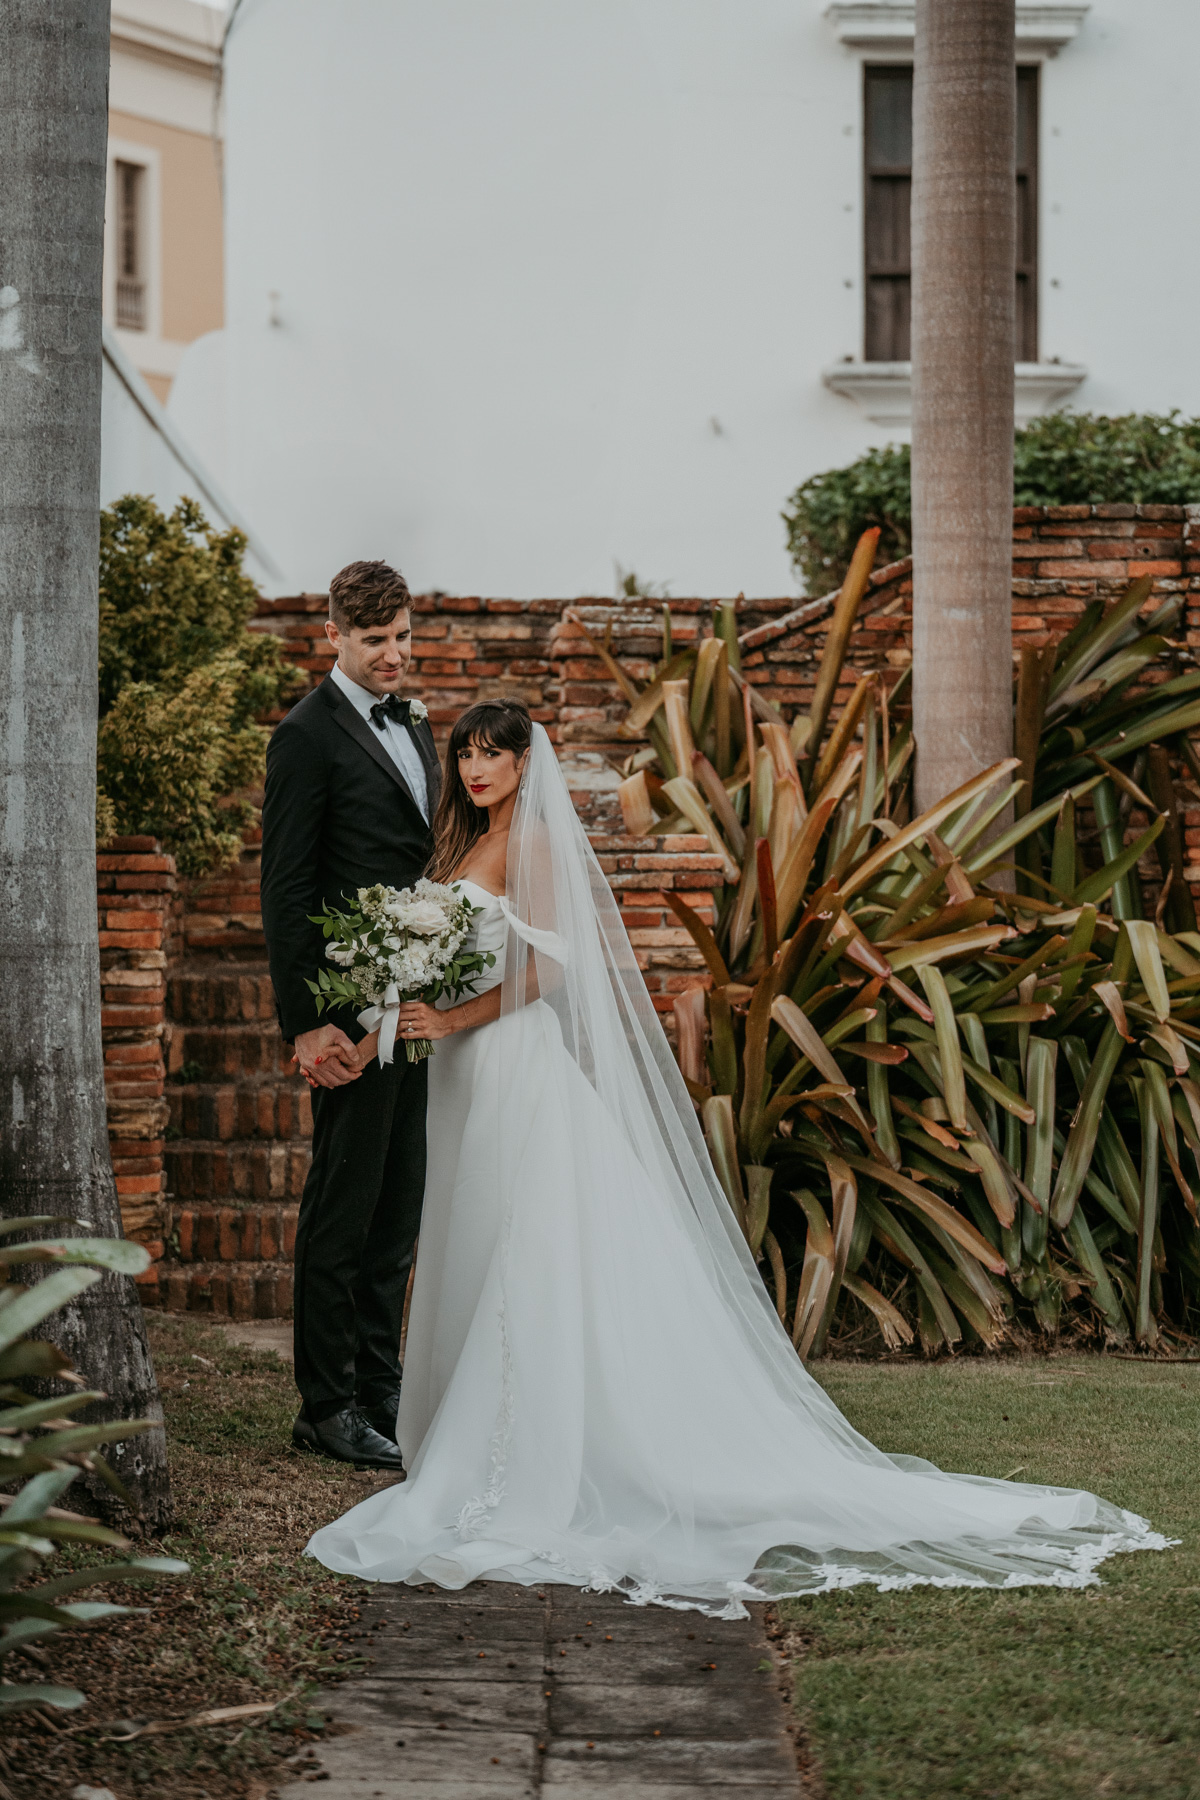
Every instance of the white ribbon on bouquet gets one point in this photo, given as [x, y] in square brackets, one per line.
[387, 1018]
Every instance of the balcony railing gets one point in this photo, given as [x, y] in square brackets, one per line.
[131, 304]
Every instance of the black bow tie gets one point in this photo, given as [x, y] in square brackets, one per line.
[390, 707]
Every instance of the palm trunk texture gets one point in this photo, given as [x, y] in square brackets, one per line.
[963, 342]
[53, 1134]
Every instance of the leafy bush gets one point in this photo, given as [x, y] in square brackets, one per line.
[1062, 459]
[181, 682]
[952, 1109]
[39, 1441]
[830, 512]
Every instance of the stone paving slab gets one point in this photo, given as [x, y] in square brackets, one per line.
[580, 1786]
[500, 1692]
[696, 1711]
[602, 1765]
[505, 1705]
[506, 1760]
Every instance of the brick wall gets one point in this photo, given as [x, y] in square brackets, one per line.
[467, 649]
[138, 919]
[1063, 557]
[638, 871]
[211, 1164]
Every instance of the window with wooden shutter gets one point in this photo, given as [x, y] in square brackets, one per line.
[887, 173]
[888, 115]
[1027, 214]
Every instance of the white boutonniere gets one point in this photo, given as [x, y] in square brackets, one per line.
[418, 712]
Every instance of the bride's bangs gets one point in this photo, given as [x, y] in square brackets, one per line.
[496, 724]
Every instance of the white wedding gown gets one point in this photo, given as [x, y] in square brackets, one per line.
[596, 1389]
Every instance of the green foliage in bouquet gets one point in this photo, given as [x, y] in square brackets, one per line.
[399, 944]
[44, 1448]
[182, 682]
[1062, 459]
[940, 1107]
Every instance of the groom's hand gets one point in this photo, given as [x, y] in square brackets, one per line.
[326, 1057]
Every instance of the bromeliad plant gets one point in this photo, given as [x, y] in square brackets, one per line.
[45, 1449]
[948, 1072]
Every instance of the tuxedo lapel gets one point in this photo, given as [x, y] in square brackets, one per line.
[355, 726]
[422, 737]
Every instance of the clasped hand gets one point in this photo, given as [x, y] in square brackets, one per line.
[327, 1058]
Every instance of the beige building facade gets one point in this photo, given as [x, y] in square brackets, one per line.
[163, 265]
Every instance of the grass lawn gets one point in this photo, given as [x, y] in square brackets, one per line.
[1037, 1694]
[255, 1621]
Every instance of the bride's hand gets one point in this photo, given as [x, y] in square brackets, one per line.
[420, 1021]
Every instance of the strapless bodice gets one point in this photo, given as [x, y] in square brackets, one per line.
[489, 931]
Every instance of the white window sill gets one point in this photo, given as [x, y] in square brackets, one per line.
[888, 25]
[883, 390]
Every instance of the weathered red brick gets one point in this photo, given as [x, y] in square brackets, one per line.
[139, 1184]
[269, 1234]
[133, 1053]
[127, 862]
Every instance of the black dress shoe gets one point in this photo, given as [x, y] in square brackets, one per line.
[303, 1436]
[348, 1437]
[382, 1415]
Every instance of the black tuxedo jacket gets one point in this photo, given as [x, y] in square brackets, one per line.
[338, 815]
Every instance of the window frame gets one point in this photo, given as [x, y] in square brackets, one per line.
[143, 157]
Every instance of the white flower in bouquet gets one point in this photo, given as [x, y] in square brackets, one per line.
[402, 944]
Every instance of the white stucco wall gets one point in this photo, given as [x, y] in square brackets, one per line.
[518, 289]
[142, 451]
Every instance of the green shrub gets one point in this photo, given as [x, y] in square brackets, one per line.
[182, 682]
[1063, 459]
[1075, 459]
[830, 512]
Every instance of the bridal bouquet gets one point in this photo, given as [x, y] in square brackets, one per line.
[401, 944]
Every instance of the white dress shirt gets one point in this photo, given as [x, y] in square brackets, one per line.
[395, 738]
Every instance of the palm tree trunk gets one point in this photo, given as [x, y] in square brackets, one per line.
[53, 1133]
[963, 343]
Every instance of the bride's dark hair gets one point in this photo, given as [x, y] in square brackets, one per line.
[502, 724]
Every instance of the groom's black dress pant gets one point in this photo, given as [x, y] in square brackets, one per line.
[354, 1242]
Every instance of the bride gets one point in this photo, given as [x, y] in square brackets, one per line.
[597, 1389]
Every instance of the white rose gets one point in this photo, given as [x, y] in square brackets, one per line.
[424, 917]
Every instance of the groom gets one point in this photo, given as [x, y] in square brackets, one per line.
[352, 782]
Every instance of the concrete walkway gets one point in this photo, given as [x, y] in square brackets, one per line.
[508, 1693]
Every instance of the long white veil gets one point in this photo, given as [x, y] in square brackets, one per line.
[808, 1472]
[609, 1026]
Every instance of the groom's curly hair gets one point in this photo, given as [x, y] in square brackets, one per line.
[367, 593]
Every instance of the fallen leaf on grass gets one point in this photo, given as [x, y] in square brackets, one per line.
[216, 1715]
